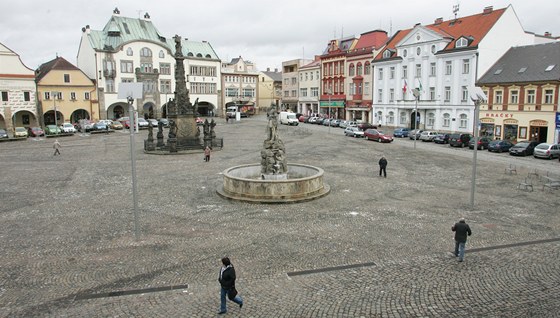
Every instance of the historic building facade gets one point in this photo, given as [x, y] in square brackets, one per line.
[269, 90]
[17, 92]
[439, 63]
[290, 83]
[133, 50]
[309, 87]
[240, 80]
[522, 89]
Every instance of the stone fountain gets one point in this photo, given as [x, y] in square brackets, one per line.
[273, 180]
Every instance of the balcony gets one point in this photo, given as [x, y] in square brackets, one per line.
[109, 73]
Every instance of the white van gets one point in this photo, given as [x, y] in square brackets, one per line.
[287, 118]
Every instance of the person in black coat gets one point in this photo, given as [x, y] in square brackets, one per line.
[383, 167]
[462, 230]
[227, 283]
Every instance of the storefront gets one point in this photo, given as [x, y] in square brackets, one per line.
[519, 126]
[332, 109]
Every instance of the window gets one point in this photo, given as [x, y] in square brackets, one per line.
[46, 94]
[391, 118]
[448, 68]
[392, 72]
[432, 69]
[446, 120]
[58, 95]
[550, 68]
[418, 70]
[303, 92]
[233, 92]
[66, 78]
[165, 68]
[387, 54]
[431, 119]
[359, 89]
[129, 52]
[145, 52]
[418, 51]
[294, 80]
[248, 92]
[432, 93]
[146, 68]
[466, 66]
[148, 86]
[433, 49]
[391, 94]
[463, 121]
[301, 77]
[306, 76]
[403, 118]
[294, 93]
[86, 95]
[447, 94]
[165, 86]
[351, 70]
[366, 89]
[530, 96]
[110, 85]
[548, 95]
[127, 80]
[311, 76]
[5, 96]
[359, 69]
[367, 68]
[352, 89]
[513, 97]
[161, 54]
[404, 53]
[72, 95]
[314, 91]
[26, 96]
[464, 94]
[462, 42]
[404, 72]
[380, 95]
[127, 67]
[380, 73]
[498, 97]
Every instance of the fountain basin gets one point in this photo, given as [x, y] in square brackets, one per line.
[245, 183]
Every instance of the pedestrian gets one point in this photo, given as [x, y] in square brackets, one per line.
[56, 146]
[207, 152]
[462, 230]
[227, 284]
[227, 119]
[383, 166]
[106, 129]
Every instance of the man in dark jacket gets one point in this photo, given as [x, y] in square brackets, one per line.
[227, 283]
[462, 230]
[383, 167]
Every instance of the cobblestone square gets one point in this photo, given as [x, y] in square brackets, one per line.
[373, 247]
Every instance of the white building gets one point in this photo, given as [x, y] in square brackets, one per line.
[442, 60]
[309, 88]
[133, 50]
[290, 83]
[240, 80]
[17, 92]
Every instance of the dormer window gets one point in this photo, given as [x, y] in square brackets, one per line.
[129, 52]
[161, 54]
[404, 53]
[462, 42]
[387, 54]
[550, 68]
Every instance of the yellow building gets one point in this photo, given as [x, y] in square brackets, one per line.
[64, 89]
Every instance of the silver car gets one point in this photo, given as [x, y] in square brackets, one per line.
[548, 151]
[353, 132]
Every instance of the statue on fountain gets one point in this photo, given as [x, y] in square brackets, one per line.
[273, 159]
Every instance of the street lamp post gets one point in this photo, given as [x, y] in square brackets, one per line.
[416, 93]
[55, 96]
[477, 96]
[329, 92]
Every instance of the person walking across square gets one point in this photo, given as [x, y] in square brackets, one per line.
[462, 230]
[207, 152]
[383, 167]
[56, 146]
[227, 284]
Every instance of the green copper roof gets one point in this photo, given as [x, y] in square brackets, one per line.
[122, 30]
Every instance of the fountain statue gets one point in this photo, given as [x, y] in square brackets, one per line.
[273, 159]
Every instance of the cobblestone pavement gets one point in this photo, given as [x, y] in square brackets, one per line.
[373, 247]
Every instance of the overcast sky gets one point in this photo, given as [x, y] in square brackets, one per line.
[261, 31]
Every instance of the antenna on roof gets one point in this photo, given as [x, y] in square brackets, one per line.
[455, 10]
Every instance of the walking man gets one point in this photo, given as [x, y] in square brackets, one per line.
[383, 167]
[56, 146]
[462, 230]
[207, 152]
[227, 283]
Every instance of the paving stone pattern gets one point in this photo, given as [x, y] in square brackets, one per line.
[373, 247]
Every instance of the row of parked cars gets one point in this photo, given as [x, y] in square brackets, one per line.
[522, 148]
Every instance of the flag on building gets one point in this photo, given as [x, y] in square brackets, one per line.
[404, 89]
[420, 86]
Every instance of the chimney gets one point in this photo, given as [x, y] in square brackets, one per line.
[275, 70]
[438, 21]
[147, 16]
[488, 9]
[548, 34]
[268, 69]
[116, 11]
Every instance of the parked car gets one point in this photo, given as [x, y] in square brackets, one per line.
[164, 121]
[319, 120]
[52, 130]
[548, 151]
[428, 135]
[377, 135]
[153, 122]
[100, 126]
[35, 132]
[351, 123]
[312, 120]
[499, 145]
[365, 126]
[116, 125]
[335, 122]
[84, 125]
[68, 128]
[3, 134]
[326, 122]
[401, 132]
[353, 132]
[482, 143]
[415, 134]
[441, 139]
[459, 140]
[523, 148]
[20, 132]
[142, 123]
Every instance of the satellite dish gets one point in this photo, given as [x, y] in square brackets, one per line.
[416, 92]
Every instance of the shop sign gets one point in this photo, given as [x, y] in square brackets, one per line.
[538, 123]
[487, 120]
[499, 115]
[558, 120]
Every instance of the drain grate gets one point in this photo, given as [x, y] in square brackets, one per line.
[329, 269]
[131, 292]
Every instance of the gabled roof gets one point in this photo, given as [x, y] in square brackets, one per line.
[525, 64]
[59, 63]
[122, 30]
[275, 76]
[474, 27]
[369, 42]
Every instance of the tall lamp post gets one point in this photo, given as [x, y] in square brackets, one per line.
[329, 92]
[477, 96]
[55, 96]
[416, 93]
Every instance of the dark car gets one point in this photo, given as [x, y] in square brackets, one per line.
[377, 135]
[524, 148]
[441, 139]
[459, 140]
[35, 132]
[499, 145]
[366, 126]
[400, 132]
[482, 143]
